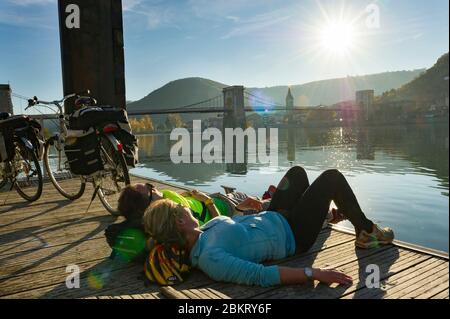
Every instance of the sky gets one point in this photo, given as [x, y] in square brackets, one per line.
[237, 42]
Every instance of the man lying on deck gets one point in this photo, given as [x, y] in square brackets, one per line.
[232, 249]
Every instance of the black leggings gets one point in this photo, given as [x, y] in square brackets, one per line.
[306, 206]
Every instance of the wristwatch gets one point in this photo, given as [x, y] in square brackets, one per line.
[209, 201]
[309, 273]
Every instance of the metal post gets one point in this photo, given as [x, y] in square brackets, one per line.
[92, 54]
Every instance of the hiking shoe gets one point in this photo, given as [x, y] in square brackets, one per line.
[378, 236]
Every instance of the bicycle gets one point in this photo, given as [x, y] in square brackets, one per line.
[108, 178]
[19, 156]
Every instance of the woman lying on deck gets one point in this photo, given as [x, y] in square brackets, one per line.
[135, 199]
[231, 249]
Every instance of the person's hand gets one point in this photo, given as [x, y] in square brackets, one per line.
[199, 195]
[331, 276]
[250, 203]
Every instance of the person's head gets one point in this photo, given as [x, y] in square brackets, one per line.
[169, 222]
[134, 199]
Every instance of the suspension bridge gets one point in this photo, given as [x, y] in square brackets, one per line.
[252, 103]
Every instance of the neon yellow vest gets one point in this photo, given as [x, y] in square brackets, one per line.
[201, 213]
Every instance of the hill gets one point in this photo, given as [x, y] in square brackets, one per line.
[431, 86]
[179, 93]
[191, 90]
[328, 92]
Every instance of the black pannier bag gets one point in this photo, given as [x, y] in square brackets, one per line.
[83, 153]
[36, 137]
[7, 128]
[88, 117]
[129, 142]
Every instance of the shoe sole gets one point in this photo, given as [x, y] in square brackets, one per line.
[372, 244]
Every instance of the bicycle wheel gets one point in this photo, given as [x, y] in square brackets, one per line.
[28, 174]
[115, 177]
[57, 167]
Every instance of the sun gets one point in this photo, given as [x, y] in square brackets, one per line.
[338, 37]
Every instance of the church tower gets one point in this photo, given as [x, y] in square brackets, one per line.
[289, 100]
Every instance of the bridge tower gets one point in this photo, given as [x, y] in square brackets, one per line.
[365, 99]
[5, 99]
[92, 52]
[234, 116]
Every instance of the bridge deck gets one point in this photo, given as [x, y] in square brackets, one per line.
[39, 240]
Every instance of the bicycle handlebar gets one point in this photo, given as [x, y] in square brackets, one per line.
[34, 101]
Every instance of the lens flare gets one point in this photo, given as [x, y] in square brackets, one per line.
[338, 37]
[129, 244]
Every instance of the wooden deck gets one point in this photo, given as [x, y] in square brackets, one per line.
[39, 240]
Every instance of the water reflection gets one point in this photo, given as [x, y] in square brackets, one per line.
[386, 150]
[400, 173]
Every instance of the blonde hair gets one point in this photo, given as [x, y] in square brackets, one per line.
[160, 222]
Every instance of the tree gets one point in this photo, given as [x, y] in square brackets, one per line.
[144, 124]
[147, 123]
[174, 121]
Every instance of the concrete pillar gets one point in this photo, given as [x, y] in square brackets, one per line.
[234, 106]
[92, 55]
[5, 99]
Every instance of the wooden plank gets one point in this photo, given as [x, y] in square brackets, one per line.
[399, 281]
[172, 293]
[441, 295]
[338, 255]
[417, 275]
[387, 260]
[53, 236]
[49, 209]
[124, 281]
[402, 244]
[437, 280]
[190, 294]
[217, 293]
[39, 239]
[199, 294]
[131, 284]
[53, 257]
[439, 285]
[72, 216]
[56, 276]
[388, 267]
[305, 291]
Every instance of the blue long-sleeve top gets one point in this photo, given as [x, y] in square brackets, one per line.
[232, 249]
